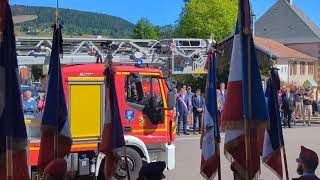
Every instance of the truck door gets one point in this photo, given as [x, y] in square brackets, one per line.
[144, 107]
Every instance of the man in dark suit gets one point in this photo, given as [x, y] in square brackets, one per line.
[307, 164]
[182, 109]
[198, 109]
[288, 106]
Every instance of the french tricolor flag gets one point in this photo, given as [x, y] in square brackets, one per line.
[273, 139]
[13, 135]
[56, 138]
[112, 135]
[210, 152]
[245, 111]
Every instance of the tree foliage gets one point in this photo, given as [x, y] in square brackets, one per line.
[74, 22]
[145, 30]
[167, 32]
[201, 18]
[36, 71]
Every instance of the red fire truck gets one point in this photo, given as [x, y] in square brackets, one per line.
[146, 103]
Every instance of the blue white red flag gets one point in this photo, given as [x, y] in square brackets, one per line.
[245, 103]
[56, 138]
[13, 135]
[210, 154]
[112, 135]
[273, 138]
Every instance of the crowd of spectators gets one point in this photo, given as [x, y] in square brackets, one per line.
[30, 105]
[190, 108]
[297, 104]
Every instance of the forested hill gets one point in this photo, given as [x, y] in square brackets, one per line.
[75, 23]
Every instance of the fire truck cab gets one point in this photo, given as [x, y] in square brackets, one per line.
[146, 103]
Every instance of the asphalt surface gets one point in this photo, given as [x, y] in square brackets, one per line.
[188, 154]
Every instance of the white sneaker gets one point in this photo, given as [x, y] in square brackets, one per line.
[304, 123]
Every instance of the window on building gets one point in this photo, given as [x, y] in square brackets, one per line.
[302, 68]
[310, 68]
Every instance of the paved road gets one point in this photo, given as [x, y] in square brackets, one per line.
[188, 154]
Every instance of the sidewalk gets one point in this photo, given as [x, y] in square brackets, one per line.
[314, 120]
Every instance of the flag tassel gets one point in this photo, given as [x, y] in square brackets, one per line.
[219, 159]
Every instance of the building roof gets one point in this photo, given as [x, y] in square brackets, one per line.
[287, 24]
[279, 50]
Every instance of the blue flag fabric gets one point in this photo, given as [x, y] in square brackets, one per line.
[210, 155]
[112, 135]
[211, 95]
[117, 137]
[275, 131]
[12, 130]
[56, 138]
[55, 112]
[11, 114]
[273, 140]
[254, 108]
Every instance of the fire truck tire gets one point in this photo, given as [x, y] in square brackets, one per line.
[134, 162]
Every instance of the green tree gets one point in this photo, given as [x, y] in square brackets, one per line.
[36, 71]
[167, 31]
[201, 18]
[145, 30]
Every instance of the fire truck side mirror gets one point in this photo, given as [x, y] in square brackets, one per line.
[171, 99]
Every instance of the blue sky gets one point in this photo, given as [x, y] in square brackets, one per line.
[159, 12]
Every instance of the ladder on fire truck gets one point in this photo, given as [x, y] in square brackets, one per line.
[181, 56]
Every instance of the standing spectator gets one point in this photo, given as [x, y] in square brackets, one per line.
[190, 94]
[176, 94]
[307, 105]
[288, 106]
[198, 109]
[223, 89]
[41, 103]
[220, 104]
[298, 98]
[182, 111]
[29, 104]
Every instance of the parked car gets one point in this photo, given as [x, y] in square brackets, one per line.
[34, 92]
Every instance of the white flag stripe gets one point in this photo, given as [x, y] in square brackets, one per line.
[236, 62]
[208, 145]
[230, 135]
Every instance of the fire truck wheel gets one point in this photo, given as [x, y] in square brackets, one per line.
[134, 163]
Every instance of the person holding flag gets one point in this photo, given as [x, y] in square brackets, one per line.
[245, 110]
[13, 135]
[210, 150]
[56, 138]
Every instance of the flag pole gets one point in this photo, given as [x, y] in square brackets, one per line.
[216, 124]
[9, 158]
[126, 161]
[285, 162]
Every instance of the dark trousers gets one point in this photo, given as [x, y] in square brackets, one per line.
[182, 119]
[197, 118]
[287, 118]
